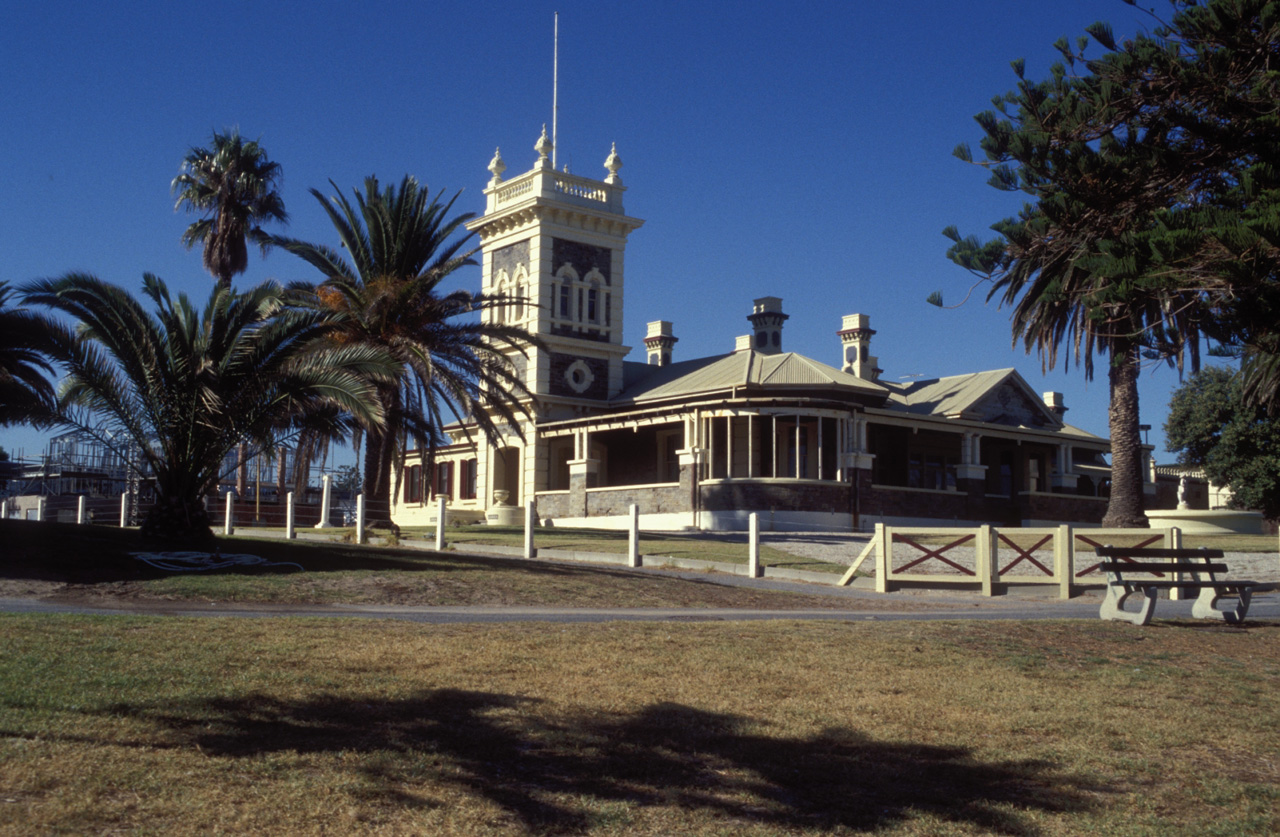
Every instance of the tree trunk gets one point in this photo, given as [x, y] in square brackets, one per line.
[1124, 509]
[379, 450]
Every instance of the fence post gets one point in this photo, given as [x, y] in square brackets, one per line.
[80, 510]
[883, 538]
[288, 517]
[39, 509]
[988, 559]
[753, 546]
[360, 518]
[633, 536]
[1063, 566]
[530, 518]
[440, 522]
[229, 515]
[326, 492]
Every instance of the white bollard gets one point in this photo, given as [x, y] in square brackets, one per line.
[530, 517]
[325, 493]
[633, 537]
[288, 517]
[4, 509]
[359, 518]
[39, 509]
[228, 522]
[753, 546]
[124, 509]
[440, 523]
[82, 516]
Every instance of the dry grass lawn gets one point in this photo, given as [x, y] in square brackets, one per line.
[132, 725]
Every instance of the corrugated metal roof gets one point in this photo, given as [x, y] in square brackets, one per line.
[947, 396]
[743, 369]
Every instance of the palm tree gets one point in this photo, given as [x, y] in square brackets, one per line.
[26, 395]
[234, 185]
[185, 387]
[403, 245]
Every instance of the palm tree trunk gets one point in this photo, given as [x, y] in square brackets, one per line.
[1124, 508]
[379, 451]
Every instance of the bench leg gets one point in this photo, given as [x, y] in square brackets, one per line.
[1206, 606]
[1113, 604]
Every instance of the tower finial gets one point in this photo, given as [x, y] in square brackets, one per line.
[613, 162]
[496, 167]
[544, 148]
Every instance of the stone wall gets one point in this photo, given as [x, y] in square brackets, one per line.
[652, 499]
[554, 505]
[781, 495]
[900, 502]
[1062, 507]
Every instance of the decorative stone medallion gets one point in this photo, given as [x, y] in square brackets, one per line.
[579, 376]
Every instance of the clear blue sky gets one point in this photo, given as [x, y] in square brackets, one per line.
[800, 150]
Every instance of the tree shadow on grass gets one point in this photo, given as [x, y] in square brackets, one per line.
[100, 554]
[546, 770]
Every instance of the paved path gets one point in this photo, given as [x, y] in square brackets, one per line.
[930, 605]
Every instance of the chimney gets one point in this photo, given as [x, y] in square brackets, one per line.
[855, 336]
[766, 317]
[1053, 400]
[658, 343]
[742, 343]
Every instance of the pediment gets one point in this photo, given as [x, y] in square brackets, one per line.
[1011, 404]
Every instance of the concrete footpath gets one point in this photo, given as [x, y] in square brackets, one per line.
[1031, 603]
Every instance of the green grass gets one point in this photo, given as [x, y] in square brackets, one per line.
[136, 725]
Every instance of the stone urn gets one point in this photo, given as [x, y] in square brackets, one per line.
[500, 497]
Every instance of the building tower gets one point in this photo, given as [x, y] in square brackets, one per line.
[552, 245]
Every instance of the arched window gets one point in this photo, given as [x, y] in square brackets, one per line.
[562, 301]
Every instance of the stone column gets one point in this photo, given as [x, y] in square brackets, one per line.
[1062, 481]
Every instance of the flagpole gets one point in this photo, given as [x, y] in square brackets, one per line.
[555, 89]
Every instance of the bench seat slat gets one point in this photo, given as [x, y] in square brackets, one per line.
[1169, 585]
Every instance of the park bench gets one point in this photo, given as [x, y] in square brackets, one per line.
[1167, 565]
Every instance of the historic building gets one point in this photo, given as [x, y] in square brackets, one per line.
[704, 442]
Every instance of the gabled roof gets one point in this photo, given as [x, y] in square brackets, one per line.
[1000, 396]
[746, 369]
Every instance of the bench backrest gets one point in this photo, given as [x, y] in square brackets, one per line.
[1122, 567]
[1137, 553]
[1178, 560]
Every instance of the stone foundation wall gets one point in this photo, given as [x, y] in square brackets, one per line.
[553, 505]
[657, 499]
[833, 498]
[944, 505]
[1062, 507]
